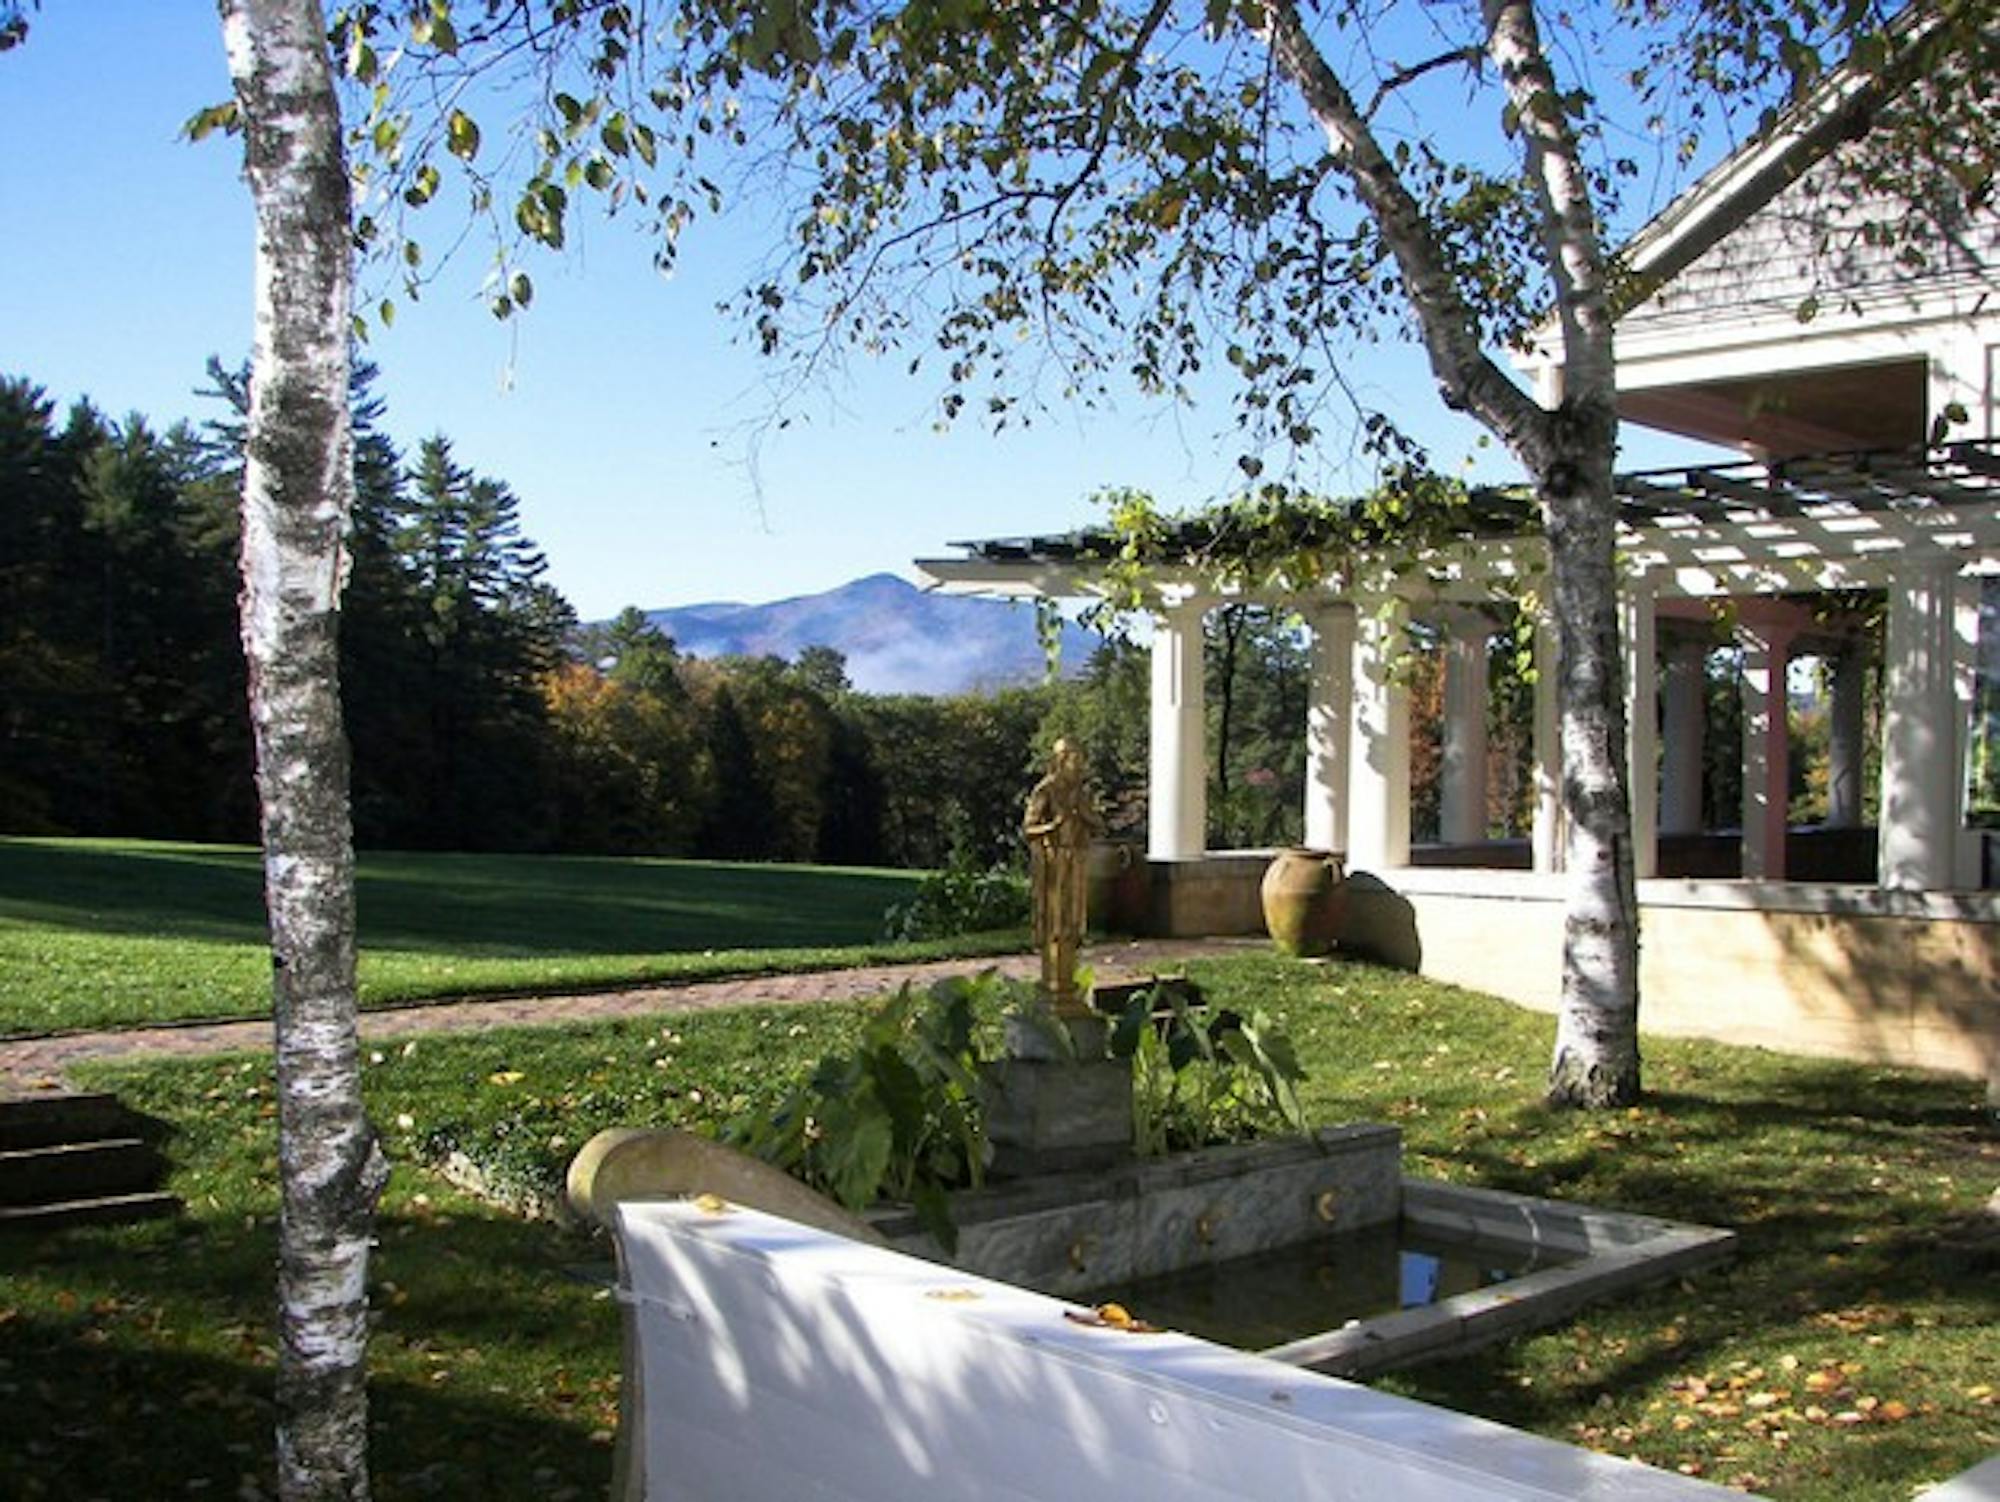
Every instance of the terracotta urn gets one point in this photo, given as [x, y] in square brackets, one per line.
[1305, 893]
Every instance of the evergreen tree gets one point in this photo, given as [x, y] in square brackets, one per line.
[487, 624]
[41, 734]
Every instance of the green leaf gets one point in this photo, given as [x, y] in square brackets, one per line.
[1952, 415]
[222, 117]
[422, 187]
[856, 1152]
[1135, 1019]
[521, 289]
[462, 136]
[933, 1206]
[901, 1092]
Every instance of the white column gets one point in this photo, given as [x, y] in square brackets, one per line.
[1378, 782]
[1844, 739]
[1766, 750]
[1968, 844]
[1547, 839]
[1329, 695]
[1685, 715]
[1642, 728]
[1177, 766]
[1462, 814]
[1919, 738]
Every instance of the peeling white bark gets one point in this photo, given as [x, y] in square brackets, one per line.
[297, 492]
[1568, 452]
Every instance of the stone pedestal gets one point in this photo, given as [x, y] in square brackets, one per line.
[1052, 1109]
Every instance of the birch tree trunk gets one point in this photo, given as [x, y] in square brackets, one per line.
[1571, 454]
[297, 493]
[1568, 452]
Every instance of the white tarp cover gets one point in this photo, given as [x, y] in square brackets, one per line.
[776, 1362]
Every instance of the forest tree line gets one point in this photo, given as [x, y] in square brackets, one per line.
[482, 715]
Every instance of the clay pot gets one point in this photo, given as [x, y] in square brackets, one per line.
[1305, 894]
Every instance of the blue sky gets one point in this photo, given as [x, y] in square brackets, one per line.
[621, 409]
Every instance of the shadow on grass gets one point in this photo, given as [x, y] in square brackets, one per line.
[90, 1419]
[500, 905]
[138, 1362]
[1817, 1261]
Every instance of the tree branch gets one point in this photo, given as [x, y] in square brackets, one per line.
[1468, 379]
[1472, 57]
[1569, 222]
[1128, 77]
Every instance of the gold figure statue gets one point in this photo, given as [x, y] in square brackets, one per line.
[1060, 824]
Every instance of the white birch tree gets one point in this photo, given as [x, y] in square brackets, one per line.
[1568, 452]
[297, 494]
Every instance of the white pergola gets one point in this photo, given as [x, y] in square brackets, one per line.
[1920, 526]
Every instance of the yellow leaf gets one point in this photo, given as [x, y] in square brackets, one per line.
[505, 1077]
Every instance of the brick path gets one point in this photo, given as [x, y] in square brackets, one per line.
[35, 1065]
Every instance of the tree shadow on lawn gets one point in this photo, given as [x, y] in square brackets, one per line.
[157, 891]
[1732, 1153]
[1831, 1189]
[655, 908]
[139, 1361]
[497, 905]
[102, 1419]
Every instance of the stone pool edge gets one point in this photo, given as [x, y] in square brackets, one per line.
[1617, 1251]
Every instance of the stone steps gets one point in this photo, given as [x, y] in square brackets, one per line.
[46, 1120]
[107, 1209]
[69, 1160]
[73, 1170]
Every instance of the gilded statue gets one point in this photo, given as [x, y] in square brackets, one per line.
[1060, 824]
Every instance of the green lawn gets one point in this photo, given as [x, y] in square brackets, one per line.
[1846, 1355]
[101, 933]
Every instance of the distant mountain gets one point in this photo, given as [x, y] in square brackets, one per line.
[897, 639]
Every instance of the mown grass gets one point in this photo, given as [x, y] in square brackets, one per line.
[104, 933]
[1847, 1353]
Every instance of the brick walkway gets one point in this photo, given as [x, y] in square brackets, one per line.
[35, 1065]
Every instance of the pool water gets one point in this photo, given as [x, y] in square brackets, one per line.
[1254, 1303]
